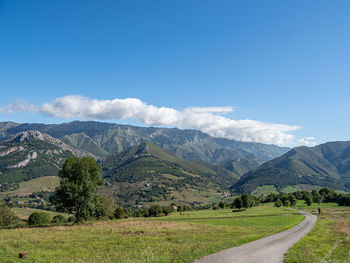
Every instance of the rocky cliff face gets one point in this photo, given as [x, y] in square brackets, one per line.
[27, 136]
[32, 154]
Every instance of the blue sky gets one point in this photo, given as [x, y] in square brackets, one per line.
[282, 66]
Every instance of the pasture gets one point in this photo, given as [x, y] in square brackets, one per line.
[174, 238]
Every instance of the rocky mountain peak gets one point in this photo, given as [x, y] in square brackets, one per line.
[28, 135]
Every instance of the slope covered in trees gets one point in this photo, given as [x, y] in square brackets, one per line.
[148, 173]
[303, 167]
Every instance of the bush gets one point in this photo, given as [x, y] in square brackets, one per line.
[72, 219]
[58, 219]
[167, 210]
[7, 217]
[119, 213]
[39, 219]
[278, 203]
[155, 210]
[286, 203]
[221, 205]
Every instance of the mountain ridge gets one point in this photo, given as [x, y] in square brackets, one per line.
[147, 172]
[326, 164]
[102, 139]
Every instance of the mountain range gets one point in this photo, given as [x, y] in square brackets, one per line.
[325, 165]
[103, 139]
[163, 164]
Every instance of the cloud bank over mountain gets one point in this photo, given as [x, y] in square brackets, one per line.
[207, 119]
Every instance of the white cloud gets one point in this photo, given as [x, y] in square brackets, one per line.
[308, 141]
[206, 119]
[310, 138]
[18, 106]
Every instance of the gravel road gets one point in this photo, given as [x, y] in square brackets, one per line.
[270, 249]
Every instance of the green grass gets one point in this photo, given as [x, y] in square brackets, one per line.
[24, 214]
[290, 189]
[314, 206]
[46, 183]
[328, 241]
[264, 190]
[176, 238]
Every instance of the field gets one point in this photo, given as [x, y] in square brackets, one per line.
[175, 238]
[23, 214]
[328, 241]
[46, 183]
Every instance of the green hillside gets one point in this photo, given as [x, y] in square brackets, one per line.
[303, 167]
[148, 173]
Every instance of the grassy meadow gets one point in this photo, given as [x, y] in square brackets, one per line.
[174, 238]
[23, 214]
[45, 183]
[328, 241]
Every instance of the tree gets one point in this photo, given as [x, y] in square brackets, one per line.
[308, 199]
[109, 207]
[179, 209]
[221, 204]
[7, 217]
[247, 201]
[79, 190]
[317, 198]
[155, 210]
[292, 200]
[167, 210]
[278, 203]
[238, 203]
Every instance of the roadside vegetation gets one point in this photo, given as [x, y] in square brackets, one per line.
[328, 241]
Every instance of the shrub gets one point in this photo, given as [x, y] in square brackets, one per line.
[7, 217]
[58, 219]
[72, 219]
[278, 203]
[286, 203]
[39, 219]
[119, 213]
[167, 210]
[221, 204]
[155, 210]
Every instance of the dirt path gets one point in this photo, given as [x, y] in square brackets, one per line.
[270, 249]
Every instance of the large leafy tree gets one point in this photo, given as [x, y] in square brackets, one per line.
[246, 200]
[238, 203]
[79, 190]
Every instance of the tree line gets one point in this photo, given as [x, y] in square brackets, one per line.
[79, 195]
